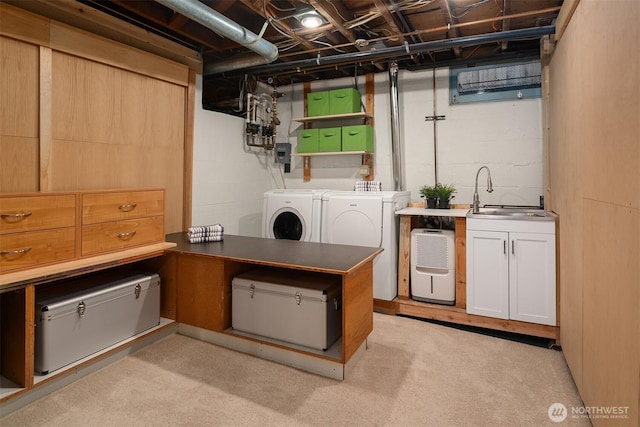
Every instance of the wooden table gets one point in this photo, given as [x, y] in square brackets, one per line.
[200, 274]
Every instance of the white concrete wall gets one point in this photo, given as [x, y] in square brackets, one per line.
[504, 135]
[229, 181]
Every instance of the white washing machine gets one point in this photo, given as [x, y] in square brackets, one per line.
[367, 218]
[292, 214]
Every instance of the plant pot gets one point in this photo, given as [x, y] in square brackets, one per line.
[431, 203]
[444, 204]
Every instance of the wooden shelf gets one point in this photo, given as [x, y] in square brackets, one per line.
[332, 153]
[361, 115]
[81, 266]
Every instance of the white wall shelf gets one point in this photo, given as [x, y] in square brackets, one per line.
[330, 153]
[361, 115]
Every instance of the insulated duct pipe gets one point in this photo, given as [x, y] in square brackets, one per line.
[405, 50]
[225, 27]
[396, 152]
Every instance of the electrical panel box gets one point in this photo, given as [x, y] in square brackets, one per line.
[283, 155]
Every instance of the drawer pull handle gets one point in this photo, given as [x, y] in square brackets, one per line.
[127, 207]
[15, 217]
[15, 252]
[126, 236]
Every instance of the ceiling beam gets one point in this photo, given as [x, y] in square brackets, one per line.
[336, 13]
[449, 19]
[150, 12]
[383, 8]
[506, 23]
[93, 20]
[258, 9]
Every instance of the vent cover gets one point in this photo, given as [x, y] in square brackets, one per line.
[432, 251]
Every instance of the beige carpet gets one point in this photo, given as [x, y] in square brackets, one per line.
[414, 373]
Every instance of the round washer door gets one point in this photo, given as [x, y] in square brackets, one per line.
[287, 223]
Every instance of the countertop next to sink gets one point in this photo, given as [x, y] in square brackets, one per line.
[415, 211]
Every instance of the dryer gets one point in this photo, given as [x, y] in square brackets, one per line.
[367, 218]
[292, 214]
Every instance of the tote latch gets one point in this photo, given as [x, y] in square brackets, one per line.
[81, 308]
[298, 298]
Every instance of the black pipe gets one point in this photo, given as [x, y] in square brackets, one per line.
[405, 50]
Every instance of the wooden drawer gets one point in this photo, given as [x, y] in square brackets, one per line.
[117, 206]
[110, 236]
[22, 250]
[27, 213]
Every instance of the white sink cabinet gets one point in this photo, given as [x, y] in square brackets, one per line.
[511, 269]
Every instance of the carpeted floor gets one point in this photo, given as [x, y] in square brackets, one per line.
[414, 373]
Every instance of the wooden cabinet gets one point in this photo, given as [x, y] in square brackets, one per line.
[532, 277]
[204, 277]
[511, 270]
[487, 274]
[121, 219]
[40, 239]
[36, 230]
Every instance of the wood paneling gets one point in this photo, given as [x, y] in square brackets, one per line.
[404, 256]
[357, 309]
[19, 88]
[566, 134]
[84, 44]
[611, 322]
[114, 129]
[595, 186]
[201, 291]
[19, 164]
[24, 25]
[461, 263]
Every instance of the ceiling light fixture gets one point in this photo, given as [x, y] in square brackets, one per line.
[311, 20]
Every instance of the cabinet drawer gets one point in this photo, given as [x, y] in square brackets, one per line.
[27, 213]
[21, 250]
[112, 236]
[116, 206]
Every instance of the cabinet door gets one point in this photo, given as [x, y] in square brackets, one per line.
[487, 274]
[532, 277]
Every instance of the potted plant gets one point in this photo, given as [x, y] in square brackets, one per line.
[445, 194]
[430, 193]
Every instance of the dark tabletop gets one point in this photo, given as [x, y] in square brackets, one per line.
[324, 257]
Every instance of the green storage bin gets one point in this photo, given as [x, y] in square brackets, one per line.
[357, 138]
[308, 141]
[330, 139]
[344, 101]
[318, 104]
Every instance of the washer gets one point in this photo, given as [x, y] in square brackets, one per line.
[292, 214]
[367, 218]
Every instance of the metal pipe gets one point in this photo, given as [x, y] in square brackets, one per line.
[405, 50]
[396, 152]
[415, 33]
[435, 131]
[204, 15]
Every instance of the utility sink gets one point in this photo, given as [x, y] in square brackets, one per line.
[512, 213]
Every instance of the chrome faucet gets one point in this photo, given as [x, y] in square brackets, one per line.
[476, 198]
